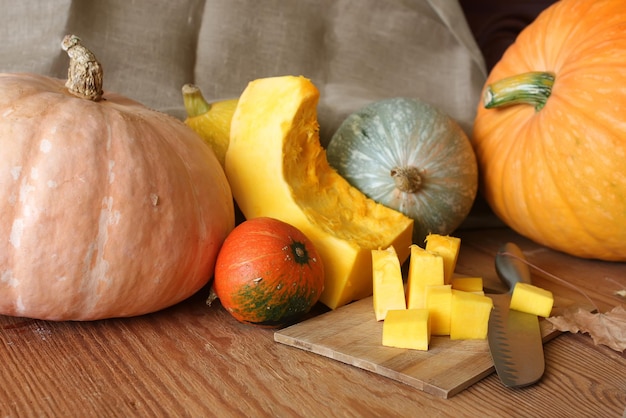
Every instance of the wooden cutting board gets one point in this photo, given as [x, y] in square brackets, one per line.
[352, 335]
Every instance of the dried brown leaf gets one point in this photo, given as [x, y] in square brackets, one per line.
[604, 328]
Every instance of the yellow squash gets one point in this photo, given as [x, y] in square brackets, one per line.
[209, 120]
[277, 168]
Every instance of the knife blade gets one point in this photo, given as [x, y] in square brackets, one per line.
[514, 337]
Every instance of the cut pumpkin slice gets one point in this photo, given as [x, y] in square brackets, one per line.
[277, 167]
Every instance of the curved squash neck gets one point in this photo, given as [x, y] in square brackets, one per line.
[531, 88]
[194, 101]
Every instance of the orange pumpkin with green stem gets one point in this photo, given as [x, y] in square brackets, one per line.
[550, 136]
[268, 273]
[107, 208]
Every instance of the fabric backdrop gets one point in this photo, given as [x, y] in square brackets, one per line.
[354, 51]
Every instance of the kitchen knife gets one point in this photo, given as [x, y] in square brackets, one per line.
[514, 337]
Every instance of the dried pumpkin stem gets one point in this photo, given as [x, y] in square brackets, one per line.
[195, 103]
[84, 75]
[407, 179]
[212, 297]
[533, 88]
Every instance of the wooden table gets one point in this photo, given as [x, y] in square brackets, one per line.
[195, 361]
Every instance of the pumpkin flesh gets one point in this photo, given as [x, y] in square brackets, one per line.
[108, 209]
[557, 175]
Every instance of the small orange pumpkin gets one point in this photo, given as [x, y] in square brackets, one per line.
[551, 147]
[268, 273]
[107, 208]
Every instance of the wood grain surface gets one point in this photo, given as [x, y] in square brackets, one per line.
[194, 361]
[351, 334]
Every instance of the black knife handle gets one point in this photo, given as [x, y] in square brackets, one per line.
[512, 270]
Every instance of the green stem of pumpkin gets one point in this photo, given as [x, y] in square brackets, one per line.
[195, 103]
[407, 179]
[533, 88]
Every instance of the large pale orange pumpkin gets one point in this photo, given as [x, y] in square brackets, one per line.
[107, 208]
[552, 146]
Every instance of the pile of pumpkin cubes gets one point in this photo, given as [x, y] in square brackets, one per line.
[436, 302]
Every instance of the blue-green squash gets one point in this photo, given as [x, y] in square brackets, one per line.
[408, 155]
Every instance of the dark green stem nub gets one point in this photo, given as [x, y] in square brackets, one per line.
[300, 254]
[195, 103]
[407, 179]
[531, 88]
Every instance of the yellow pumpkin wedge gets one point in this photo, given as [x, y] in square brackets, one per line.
[277, 167]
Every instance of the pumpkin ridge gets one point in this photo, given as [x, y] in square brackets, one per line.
[543, 149]
[590, 229]
[38, 156]
[98, 272]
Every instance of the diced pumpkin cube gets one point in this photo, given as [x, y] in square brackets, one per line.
[407, 328]
[469, 317]
[532, 299]
[447, 247]
[439, 305]
[387, 282]
[468, 284]
[425, 269]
